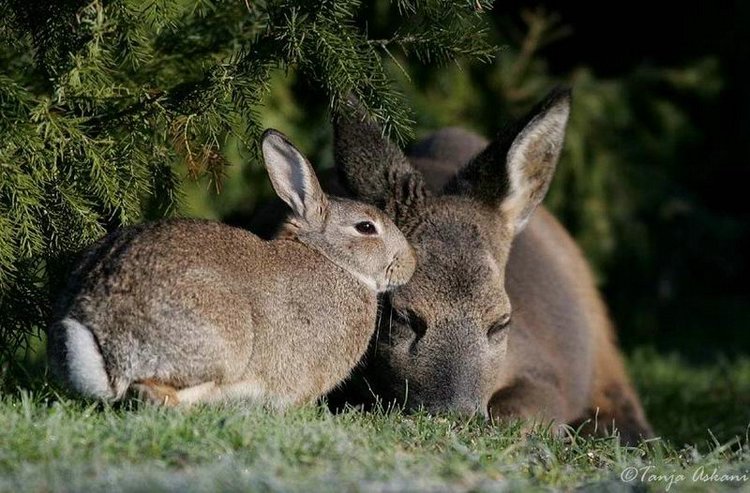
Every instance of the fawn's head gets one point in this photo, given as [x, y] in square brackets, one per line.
[442, 337]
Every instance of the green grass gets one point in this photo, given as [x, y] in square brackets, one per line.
[51, 443]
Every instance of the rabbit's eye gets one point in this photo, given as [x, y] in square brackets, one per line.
[366, 228]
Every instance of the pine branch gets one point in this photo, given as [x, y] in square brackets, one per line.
[100, 101]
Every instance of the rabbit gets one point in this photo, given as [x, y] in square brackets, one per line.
[187, 311]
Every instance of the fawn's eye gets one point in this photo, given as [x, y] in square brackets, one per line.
[410, 319]
[499, 326]
[366, 228]
[406, 320]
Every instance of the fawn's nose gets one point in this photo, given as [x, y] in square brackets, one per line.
[449, 376]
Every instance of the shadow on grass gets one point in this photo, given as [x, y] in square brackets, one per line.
[694, 404]
[28, 370]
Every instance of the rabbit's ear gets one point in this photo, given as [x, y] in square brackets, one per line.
[293, 178]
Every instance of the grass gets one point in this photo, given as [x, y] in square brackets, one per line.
[51, 443]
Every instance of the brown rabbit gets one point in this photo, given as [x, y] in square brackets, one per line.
[189, 311]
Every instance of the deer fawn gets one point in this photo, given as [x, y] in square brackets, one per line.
[502, 316]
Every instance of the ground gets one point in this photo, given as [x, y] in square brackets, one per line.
[52, 443]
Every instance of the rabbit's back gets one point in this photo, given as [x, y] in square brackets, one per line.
[185, 302]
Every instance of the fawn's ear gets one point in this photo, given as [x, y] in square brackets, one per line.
[293, 178]
[514, 172]
[372, 167]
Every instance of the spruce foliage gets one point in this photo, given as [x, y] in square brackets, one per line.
[100, 99]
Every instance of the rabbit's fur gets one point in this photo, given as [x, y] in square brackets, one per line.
[187, 310]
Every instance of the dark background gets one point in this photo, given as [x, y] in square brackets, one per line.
[704, 253]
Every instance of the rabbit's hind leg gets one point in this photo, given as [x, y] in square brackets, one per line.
[203, 392]
[166, 395]
[245, 390]
[156, 393]
[207, 392]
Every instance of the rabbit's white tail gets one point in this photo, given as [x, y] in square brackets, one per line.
[86, 373]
